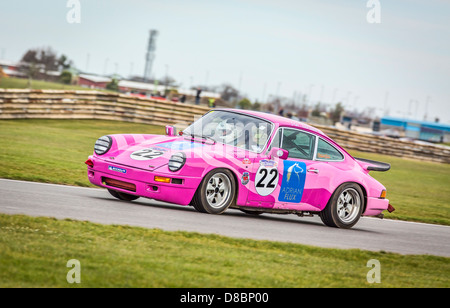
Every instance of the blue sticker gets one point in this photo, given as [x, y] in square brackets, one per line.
[180, 145]
[117, 169]
[294, 176]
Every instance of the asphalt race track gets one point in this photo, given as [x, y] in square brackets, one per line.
[96, 205]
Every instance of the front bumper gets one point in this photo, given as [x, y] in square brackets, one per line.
[142, 183]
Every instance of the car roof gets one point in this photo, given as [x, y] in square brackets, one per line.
[281, 121]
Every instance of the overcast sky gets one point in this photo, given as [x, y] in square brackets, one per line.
[323, 48]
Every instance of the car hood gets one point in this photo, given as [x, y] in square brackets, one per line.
[155, 152]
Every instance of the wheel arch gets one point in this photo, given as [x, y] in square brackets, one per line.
[363, 189]
[231, 170]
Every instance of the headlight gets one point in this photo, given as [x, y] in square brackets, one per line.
[102, 145]
[177, 161]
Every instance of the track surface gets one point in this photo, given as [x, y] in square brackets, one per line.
[96, 205]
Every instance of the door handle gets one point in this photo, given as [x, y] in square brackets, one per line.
[316, 171]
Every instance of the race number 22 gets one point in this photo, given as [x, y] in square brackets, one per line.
[146, 154]
[266, 180]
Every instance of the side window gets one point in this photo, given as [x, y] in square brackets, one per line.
[299, 144]
[326, 151]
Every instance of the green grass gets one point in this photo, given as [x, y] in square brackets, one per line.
[19, 83]
[54, 151]
[420, 191]
[34, 253]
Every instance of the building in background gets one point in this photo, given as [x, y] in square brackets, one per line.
[12, 69]
[93, 82]
[413, 129]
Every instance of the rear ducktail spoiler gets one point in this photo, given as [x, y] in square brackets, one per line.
[373, 165]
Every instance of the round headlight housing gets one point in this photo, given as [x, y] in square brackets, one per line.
[102, 145]
[177, 161]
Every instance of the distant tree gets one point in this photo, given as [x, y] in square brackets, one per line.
[113, 85]
[228, 92]
[336, 112]
[245, 103]
[43, 56]
[64, 63]
[66, 77]
[31, 69]
[43, 59]
[316, 111]
[256, 106]
[269, 108]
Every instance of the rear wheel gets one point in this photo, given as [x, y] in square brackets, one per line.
[122, 196]
[216, 192]
[345, 207]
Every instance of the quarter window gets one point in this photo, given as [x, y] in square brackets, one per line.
[326, 151]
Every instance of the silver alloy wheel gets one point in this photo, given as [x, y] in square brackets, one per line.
[348, 205]
[218, 190]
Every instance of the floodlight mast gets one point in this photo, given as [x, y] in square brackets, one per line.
[150, 55]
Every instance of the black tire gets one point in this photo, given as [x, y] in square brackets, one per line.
[216, 192]
[122, 196]
[345, 207]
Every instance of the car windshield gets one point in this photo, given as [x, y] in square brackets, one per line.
[231, 128]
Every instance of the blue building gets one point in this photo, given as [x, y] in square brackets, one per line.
[422, 130]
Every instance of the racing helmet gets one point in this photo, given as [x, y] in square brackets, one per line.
[227, 132]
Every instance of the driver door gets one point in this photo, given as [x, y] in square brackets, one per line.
[286, 183]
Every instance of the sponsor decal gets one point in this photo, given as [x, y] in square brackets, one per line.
[147, 154]
[324, 156]
[268, 163]
[266, 179]
[246, 161]
[293, 183]
[245, 178]
[117, 169]
[180, 145]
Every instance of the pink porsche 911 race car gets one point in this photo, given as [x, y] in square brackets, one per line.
[251, 161]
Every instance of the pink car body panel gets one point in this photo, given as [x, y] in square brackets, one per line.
[202, 157]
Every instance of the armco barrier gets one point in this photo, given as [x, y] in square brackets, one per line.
[60, 104]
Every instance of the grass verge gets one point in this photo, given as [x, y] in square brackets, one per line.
[34, 253]
[54, 151]
[419, 190]
[20, 83]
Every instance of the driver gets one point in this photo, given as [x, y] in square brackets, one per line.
[228, 132]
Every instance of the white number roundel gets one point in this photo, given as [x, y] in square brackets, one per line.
[146, 154]
[266, 180]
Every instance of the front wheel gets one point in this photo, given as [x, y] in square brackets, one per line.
[216, 192]
[345, 207]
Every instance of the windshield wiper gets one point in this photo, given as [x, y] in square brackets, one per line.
[193, 136]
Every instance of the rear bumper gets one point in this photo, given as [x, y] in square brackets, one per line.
[142, 183]
[375, 206]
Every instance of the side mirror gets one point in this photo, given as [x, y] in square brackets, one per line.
[171, 131]
[280, 153]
